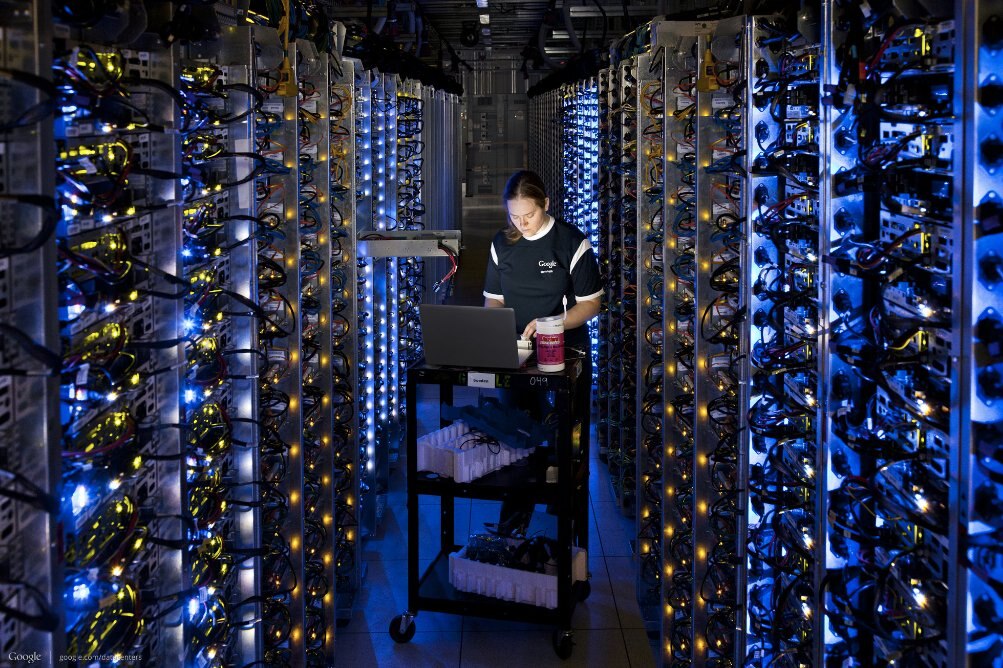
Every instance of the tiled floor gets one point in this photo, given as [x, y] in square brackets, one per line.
[608, 628]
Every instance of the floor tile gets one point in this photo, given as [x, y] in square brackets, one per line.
[599, 488]
[484, 625]
[599, 610]
[617, 531]
[378, 650]
[535, 648]
[623, 579]
[595, 542]
[640, 648]
[384, 596]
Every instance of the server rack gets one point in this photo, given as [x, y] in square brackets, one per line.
[279, 291]
[123, 363]
[220, 272]
[709, 201]
[721, 193]
[620, 159]
[391, 438]
[624, 335]
[316, 313]
[410, 276]
[649, 263]
[606, 152]
[782, 290]
[383, 91]
[895, 303]
[585, 204]
[29, 398]
[364, 185]
[678, 348]
[345, 361]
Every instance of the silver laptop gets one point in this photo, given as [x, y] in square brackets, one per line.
[472, 336]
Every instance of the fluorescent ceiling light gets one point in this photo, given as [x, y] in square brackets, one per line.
[482, 4]
[485, 19]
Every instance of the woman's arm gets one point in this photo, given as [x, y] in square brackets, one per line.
[581, 313]
[578, 315]
[497, 303]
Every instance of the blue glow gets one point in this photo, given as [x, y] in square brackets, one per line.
[80, 499]
[81, 592]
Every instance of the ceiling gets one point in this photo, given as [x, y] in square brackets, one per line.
[530, 29]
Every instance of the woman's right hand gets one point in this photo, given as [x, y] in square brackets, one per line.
[530, 331]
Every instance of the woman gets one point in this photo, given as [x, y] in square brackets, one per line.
[538, 264]
[539, 267]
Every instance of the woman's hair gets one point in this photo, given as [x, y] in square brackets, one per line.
[524, 184]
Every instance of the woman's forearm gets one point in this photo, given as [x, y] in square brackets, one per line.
[581, 313]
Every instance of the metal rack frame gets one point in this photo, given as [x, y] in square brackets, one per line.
[973, 587]
[29, 404]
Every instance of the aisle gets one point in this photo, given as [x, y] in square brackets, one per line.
[608, 627]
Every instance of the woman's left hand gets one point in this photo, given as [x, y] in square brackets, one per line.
[530, 330]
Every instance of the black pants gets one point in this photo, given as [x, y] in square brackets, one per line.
[516, 513]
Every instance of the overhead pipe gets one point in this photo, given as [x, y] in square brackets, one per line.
[543, 33]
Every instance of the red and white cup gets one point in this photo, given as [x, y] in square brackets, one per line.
[550, 344]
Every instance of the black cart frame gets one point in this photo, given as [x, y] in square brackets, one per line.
[431, 590]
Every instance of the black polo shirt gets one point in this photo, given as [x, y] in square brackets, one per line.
[534, 273]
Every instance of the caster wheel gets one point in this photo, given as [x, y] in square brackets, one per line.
[583, 589]
[564, 644]
[402, 628]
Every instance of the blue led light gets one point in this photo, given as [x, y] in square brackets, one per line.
[80, 499]
[81, 591]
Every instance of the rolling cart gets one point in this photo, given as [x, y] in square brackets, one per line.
[432, 590]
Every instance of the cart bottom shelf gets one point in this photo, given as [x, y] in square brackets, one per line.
[436, 594]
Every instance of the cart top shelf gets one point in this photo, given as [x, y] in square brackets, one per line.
[528, 377]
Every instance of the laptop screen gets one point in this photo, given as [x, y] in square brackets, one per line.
[469, 336]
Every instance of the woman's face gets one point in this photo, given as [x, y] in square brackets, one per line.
[526, 215]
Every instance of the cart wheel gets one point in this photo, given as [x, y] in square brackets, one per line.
[584, 588]
[564, 643]
[402, 628]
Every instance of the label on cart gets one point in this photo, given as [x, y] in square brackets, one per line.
[475, 379]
